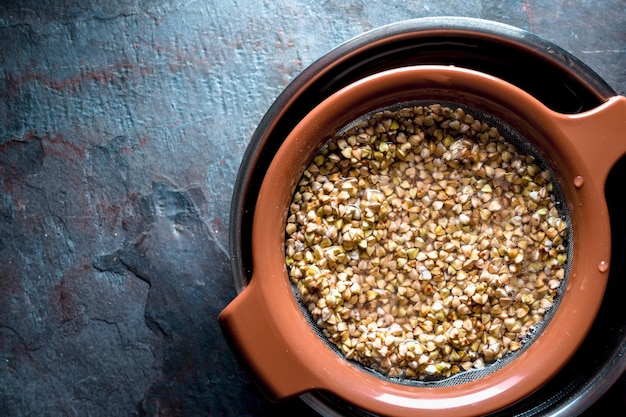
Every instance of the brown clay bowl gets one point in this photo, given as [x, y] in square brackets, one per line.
[285, 355]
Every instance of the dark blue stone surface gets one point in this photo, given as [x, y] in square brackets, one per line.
[122, 126]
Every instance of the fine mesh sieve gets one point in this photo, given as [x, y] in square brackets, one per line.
[524, 147]
[273, 337]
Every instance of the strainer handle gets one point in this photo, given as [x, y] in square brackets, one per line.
[281, 365]
[599, 136]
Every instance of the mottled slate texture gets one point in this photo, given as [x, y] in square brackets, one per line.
[122, 125]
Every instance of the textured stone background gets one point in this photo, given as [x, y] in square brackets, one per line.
[122, 125]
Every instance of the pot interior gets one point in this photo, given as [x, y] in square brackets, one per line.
[525, 151]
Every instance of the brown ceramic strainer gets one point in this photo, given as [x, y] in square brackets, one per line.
[286, 355]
